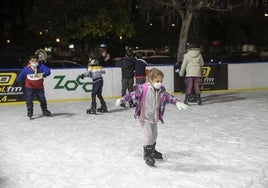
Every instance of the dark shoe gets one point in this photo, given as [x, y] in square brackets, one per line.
[148, 155]
[157, 154]
[101, 109]
[30, 112]
[186, 99]
[123, 105]
[46, 112]
[91, 111]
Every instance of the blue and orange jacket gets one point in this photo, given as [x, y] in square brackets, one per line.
[33, 79]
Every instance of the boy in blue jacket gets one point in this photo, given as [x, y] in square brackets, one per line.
[33, 75]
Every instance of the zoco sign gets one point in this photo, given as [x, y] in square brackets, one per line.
[72, 85]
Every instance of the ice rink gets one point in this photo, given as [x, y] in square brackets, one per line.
[220, 144]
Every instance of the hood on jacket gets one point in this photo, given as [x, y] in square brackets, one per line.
[193, 52]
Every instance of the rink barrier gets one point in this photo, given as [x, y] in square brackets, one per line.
[66, 85]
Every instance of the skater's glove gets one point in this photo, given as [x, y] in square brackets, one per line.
[118, 102]
[82, 76]
[181, 106]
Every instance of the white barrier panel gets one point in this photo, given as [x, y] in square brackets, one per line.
[65, 84]
[247, 76]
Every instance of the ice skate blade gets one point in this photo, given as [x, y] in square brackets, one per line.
[150, 165]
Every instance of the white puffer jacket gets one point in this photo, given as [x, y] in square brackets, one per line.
[192, 62]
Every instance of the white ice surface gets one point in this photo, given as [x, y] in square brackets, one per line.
[220, 144]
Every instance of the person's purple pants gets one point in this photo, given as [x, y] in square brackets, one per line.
[190, 82]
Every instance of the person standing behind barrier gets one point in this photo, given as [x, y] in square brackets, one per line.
[42, 55]
[127, 65]
[104, 56]
[191, 65]
[140, 69]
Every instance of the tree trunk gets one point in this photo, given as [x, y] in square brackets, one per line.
[186, 23]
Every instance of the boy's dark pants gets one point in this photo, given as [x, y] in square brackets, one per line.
[40, 95]
[127, 84]
[97, 91]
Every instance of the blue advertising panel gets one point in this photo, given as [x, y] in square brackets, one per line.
[214, 77]
[8, 93]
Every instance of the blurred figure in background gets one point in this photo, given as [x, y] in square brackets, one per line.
[104, 56]
[42, 55]
[127, 65]
[191, 68]
[140, 69]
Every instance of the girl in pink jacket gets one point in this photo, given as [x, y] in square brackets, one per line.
[151, 98]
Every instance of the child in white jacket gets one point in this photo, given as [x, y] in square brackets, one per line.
[191, 68]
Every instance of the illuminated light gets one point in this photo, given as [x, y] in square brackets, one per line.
[71, 46]
[151, 24]
[266, 14]
[120, 37]
[173, 25]
[48, 49]
[215, 43]
[57, 40]
[40, 33]
[8, 41]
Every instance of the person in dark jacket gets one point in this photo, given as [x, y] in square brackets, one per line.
[140, 69]
[127, 65]
[104, 56]
[33, 75]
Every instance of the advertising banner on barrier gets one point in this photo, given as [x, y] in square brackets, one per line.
[214, 77]
[66, 84]
[8, 93]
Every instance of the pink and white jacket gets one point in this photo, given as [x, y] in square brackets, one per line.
[150, 102]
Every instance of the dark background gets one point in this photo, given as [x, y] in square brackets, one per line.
[221, 34]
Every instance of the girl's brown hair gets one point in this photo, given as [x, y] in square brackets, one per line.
[154, 73]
